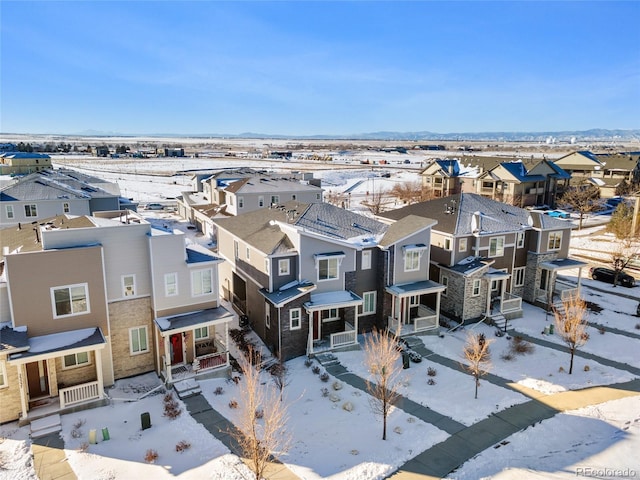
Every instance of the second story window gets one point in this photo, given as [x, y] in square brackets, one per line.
[201, 282]
[31, 210]
[170, 284]
[283, 266]
[261, 201]
[462, 245]
[520, 240]
[240, 202]
[328, 269]
[496, 247]
[70, 300]
[275, 199]
[9, 211]
[128, 285]
[555, 240]
[447, 244]
[411, 260]
[366, 259]
[65, 207]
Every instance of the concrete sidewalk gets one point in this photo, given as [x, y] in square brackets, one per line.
[225, 431]
[444, 457]
[50, 460]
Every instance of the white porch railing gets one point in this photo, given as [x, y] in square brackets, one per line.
[340, 339]
[427, 319]
[565, 290]
[511, 303]
[79, 394]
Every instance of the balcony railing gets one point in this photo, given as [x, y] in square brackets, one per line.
[425, 320]
[511, 303]
[211, 361]
[79, 393]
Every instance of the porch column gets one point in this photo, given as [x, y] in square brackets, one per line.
[503, 288]
[488, 314]
[23, 393]
[226, 340]
[98, 355]
[438, 309]
[167, 360]
[579, 278]
[355, 323]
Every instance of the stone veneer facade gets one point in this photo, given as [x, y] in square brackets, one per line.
[533, 272]
[10, 393]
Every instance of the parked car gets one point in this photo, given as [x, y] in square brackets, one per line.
[557, 214]
[154, 206]
[607, 275]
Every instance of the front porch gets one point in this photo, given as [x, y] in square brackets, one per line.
[410, 312]
[501, 303]
[59, 373]
[193, 344]
[333, 318]
[551, 290]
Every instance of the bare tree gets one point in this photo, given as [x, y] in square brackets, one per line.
[381, 357]
[476, 353]
[571, 324]
[582, 199]
[335, 198]
[411, 192]
[262, 418]
[622, 221]
[280, 375]
[376, 201]
[623, 252]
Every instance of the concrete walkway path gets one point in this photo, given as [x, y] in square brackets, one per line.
[225, 431]
[50, 460]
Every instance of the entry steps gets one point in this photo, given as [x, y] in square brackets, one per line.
[187, 388]
[46, 425]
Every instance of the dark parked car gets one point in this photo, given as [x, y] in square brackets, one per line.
[607, 275]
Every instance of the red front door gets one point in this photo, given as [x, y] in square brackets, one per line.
[176, 348]
[37, 379]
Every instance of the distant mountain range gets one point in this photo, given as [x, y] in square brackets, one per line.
[596, 134]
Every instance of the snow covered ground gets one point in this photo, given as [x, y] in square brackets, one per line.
[333, 443]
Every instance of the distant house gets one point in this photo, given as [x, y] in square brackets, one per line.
[97, 298]
[491, 256]
[53, 192]
[174, 152]
[310, 277]
[23, 163]
[101, 151]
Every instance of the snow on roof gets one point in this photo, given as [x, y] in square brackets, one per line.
[55, 341]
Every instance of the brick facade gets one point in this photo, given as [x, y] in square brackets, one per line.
[10, 393]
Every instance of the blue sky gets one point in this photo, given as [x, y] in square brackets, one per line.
[304, 68]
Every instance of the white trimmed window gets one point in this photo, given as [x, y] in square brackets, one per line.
[200, 333]
[31, 210]
[261, 201]
[462, 245]
[555, 240]
[275, 199]
[65, 207]
[283, 266]
[329, 314]
[518, 276]
[369, 303]
[476, 287]
[411, 260]
[128, 285]
[317, 196]
[75, 360]
[414, 300]
[201, 282]
[520, 240]
[447, 243]
[295, 322]
[444, 281]
[138, 340]
[267, 315]
[240, 202]
[366, 259]
[9, 210]
[3, 375]
[70, 300]
[496, 247]
[170, 284]
[328, 268]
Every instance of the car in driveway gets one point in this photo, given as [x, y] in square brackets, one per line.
[154, 206]
[607, 275]
[557, 214]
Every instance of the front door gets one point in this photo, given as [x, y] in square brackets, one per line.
[37, 379]
[176, 349]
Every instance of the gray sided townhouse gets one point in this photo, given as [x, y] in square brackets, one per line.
[89, 300]
[311, 277]
[491, 256]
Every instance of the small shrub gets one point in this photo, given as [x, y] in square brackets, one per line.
[431, 381]
[172, 408]
[637, 326]
[337, 385]
[83, 447]
[325, 392]
[587, 368]
[561, 370]
[431, 372]
[601, 331]
[233, 404]
[585, 336]
[324, 377]
[507, 357]
[259, 413]
[182, 445]
[76, 432]
[316, 369]
[218, 391]
[151, 456]
[308, 362]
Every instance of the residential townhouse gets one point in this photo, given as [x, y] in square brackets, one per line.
[91, 299]
[491, 256]
[55, 192]
[310, 277]
[605, 170]
[22, 163]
